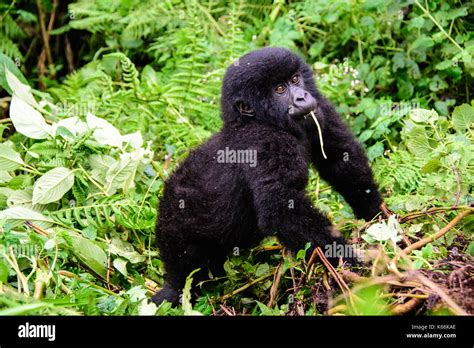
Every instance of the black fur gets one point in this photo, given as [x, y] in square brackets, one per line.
[208, 208]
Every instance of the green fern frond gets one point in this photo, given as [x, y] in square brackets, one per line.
[129, 71]
[105, 214]
[11, 28]
[9, 48]
[400, 173]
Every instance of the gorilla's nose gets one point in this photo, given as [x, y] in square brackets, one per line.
[300, 96]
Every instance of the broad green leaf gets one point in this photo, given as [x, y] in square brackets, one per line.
[20, 90]
[105, 133]
[320, 66]
[422, 42]
[22, 214]
[262, 269]
[375, 150]
[9, 159]
[470, 249]
[134, 139]
[50, 244]
[90, 253]
[90, 232]
[7, 63]
[445, 64]
[53, 185]
[101, 162]
[137, 293]
[147, 308]
[187, 306]
[121, 265]
[72, 124]
[21, 198]
[27, 120]
[125, 250]
[423, 115]
[4, 176]
[418, 143]
[120, 174]
[431, 166]
[463, 117]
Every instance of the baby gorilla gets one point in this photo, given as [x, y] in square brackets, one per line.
[248, 181]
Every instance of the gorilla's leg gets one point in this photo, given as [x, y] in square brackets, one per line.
[179, 263]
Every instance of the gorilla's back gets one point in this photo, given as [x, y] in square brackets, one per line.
[206, 196]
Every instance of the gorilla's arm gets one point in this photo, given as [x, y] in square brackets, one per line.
[346, 167]
[278, 186]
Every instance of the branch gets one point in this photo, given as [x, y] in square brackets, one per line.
[246, 286]
[406, 307]
[430, 239]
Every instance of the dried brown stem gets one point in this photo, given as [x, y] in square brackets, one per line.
[431, 211]
[406, 307]
[441, 293]
[430, 239]
[274, 288]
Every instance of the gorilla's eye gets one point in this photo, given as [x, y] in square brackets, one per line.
[280, 88]
[295, 79]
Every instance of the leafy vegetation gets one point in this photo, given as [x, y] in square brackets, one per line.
[116, 93]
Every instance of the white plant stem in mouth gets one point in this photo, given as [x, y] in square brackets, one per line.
[319, 134]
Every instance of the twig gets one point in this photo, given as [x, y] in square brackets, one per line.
[69, 54]
[226, 311]
[22, 281]
[308, 266]
[431, 211]
[400, 294]
[335, 309]
[274, 288]
[376, 261]
[246, 286]
[351, 276]
[430, 239]
[44, 32]
[292, 271]
[342, 284]
[441, 293]
[406, 307]
[72, 275]
[385, 210]
[36, 228]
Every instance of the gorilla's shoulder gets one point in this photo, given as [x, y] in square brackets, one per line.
[257, 133]
[266, 139]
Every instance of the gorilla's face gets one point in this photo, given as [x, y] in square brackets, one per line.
[292, 96]
[272, 85]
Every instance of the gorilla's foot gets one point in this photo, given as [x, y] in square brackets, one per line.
[167, 293]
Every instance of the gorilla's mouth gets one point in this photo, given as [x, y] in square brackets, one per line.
[301, 114]
[309, 114]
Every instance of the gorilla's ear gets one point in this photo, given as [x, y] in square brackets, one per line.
[244, 109]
